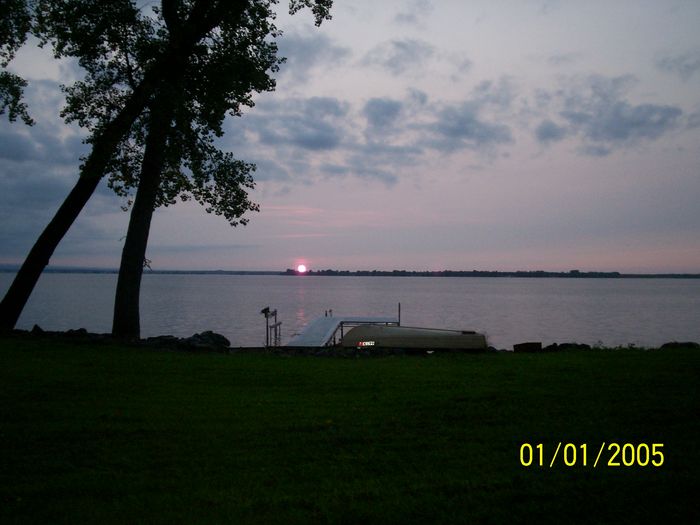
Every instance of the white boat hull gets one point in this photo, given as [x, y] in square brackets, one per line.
[368, 336]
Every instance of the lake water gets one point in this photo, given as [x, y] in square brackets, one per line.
[644, 312]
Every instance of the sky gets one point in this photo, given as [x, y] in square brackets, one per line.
[421, 135]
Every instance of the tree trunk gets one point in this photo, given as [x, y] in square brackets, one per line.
[104, 146]
[126, 321]
[23, 284]
[166, 68]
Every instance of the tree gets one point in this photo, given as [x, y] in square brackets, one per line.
[180, 131]
[14, 26]
[83, 29]
[99, 34]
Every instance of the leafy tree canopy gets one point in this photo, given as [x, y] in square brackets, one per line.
[15, 23]
[231, 54]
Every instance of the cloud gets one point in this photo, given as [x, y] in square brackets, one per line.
[40, 162]
[380, 157]
[16, 147]
[596, 150]
[548, 6]
[49, 140]
[29, 186]
[476, 122]
[548, 132]
[694, 120]
[269, 170]
[621, 122]
[391, 153]
[193, 246]
[334, 170]
[399, 56]
[597, 111]
[417, 96]
[563, 59]
[460, 65]
[40, 143]
[325, 137]
[382, 112]
[415, 13]
[30, 191]
[684, 65]
[311, 124]
[365, 166]
[38, 167]
[464, 66]
[307, 52]
[303, 140]
[461, 126]
[322, 137]
[499, 94]
[406, 17]
[286, 137]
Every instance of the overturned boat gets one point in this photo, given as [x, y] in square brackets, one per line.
[367, 336]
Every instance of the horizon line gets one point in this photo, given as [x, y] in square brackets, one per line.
[9, 268]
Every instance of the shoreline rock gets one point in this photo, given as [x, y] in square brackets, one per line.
[206, 341]
[209, 341]
[675, 344]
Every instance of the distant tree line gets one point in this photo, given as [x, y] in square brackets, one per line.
[486, 273]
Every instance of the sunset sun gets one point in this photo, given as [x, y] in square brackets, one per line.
[301, 268]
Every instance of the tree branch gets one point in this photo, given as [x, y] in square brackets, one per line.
[170, 9]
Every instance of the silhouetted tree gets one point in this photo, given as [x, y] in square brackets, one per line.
[179, 157]
[129, 58]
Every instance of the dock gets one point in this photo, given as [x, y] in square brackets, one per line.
[324, 331]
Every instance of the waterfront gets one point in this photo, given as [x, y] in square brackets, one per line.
[612, 312]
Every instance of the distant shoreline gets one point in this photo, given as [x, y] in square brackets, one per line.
[537, 274]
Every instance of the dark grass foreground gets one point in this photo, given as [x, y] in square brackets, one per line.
[122, 435]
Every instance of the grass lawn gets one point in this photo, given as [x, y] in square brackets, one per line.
[109, 434]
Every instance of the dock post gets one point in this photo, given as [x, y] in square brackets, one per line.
[266, 312]
[275, 327]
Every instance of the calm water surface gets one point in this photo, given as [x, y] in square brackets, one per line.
[644, 312]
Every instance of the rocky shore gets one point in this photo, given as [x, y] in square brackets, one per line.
[206, 341]
[209, 341]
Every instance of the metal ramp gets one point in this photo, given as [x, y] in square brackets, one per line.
[322, 331]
